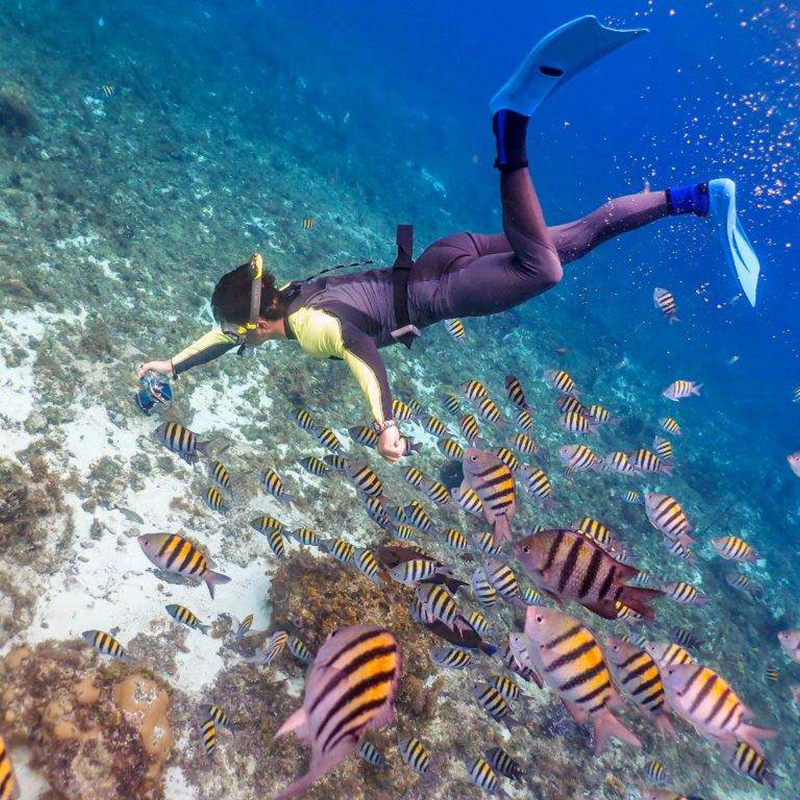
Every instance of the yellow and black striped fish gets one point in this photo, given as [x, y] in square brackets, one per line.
[772, 674]
[450, 448]
[494, 704]
[9, 788]
[484, 542]
[478, 622]
[436, 492]
[469, 428]
[452, 402]
[436, 599]
[516, 394]
[265, 523]
[401, 411]
[272, 648]
[215, 500]
[366, 563]
[341, 550]
[272, 483]
[680, 389]
[104, 643]
[596, 530]
[299, 650]
[568, 404]
[335, 461]
[483, 591]
[350, 687]
[218, 716]
[308, 223]
[363, 435]
[663, 448]
[655, 772]
[450, 657]
[305, 420]
[415, 406]
[796, 395]
[316, 466]
[667, 515]
[670, 425]
[735, 549]
[418, 517]
[745, 584]
[494, 483]
[482, 775]
[505, 686]
[669, 654]
[364, 478]
[678, 548]
[578, 457]
[467, 500]
[684, 593]
[173, 553]
[370, 753]
[415, 755]
[746, 760]
[413, 477]
[209, 733]
[600, 414]
[572, 422]
[455, 327]
[108, 91]
[523, 420]
[473, 390]
[489, 411]
[187, 617]
[525, 445]
[632, 496]
[626, 613]
[645, 461]
[456, 539]
[219, 474]
[664, 301]
[535, 482]
[180, 440]
[328, 439]
[562, 381]
[506, 455]
[502, 762]
[502, 577]
[244, 626]
[434, 426]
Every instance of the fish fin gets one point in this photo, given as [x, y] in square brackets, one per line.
[501, 528]
[577, 713]
[189, 458]
[607, 726]
[487, 648]
[318, 768]
[752, 734]
[386, 716]
[625, 572]
[297, 722]
[288, 499]
[664, 725]
[673, 320]
[212, 578]
[696, 389]
[603, 608]
[637, 597]
[667, 469]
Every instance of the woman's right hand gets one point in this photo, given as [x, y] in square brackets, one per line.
[156, 366]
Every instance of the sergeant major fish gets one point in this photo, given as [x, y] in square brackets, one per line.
[664, 301]
[680, 389]
[494, 483]
[180, 440]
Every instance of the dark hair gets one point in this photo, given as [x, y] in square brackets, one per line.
[230, 301]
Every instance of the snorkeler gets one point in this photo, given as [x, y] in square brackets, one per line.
[351, 316]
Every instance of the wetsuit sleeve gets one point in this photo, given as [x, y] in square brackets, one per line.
[364, 361]
[209, 346]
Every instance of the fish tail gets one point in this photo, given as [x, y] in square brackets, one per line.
[213, 578]
[665, 726]
[202, 447]
[415, 447]
[203, 627]
[487, 648]
[299, 786]
[668, 469]
[752, 735]
[288, 499]
[607, 726]
[673, 320]
[501, 530]
[637, 597]
[696, 389]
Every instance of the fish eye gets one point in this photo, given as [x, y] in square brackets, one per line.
[473, 459]
[539, 618]
[525, 549]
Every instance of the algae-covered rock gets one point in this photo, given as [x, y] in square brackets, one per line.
[95, 731]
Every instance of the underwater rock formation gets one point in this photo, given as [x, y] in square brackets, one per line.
[95, 731]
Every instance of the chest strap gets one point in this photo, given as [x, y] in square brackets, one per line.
[401, 272]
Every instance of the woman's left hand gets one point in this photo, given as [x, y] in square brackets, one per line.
[391, 444]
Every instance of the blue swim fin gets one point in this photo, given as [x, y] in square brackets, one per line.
[559, 56]
[739, 253]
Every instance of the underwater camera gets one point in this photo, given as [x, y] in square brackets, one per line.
[154, 390]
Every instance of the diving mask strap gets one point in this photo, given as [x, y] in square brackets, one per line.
[256, 273]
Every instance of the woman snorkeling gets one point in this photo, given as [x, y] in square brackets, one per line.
[352, 316]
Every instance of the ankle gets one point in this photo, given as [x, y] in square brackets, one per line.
[692, 199]
[510, 131]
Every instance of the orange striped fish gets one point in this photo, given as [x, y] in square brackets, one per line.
[664, 301]
[494, 483]
[350, 687]
[9, 788]
[173, 553]
[735, 549]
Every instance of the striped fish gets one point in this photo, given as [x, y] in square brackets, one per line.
[484, 542]
[679, 549]
[684, 593]
[450, 448]
[439, 602]
[644, 461]
[316, 466]
[523, 420]
[637, 674]
[502, 577]
[219, 474]
[469, 428]
[515, 657]
[328, 439]
[507, 688]
[746, 760]
[618, 462]
[573, 422]
[655, 772]
[209, 733]
[308, 224]
[350, 687]
[467, 500]
[796, 395]
[482, 775]
[435, 491]
[535, 483]
[363, 435]
[735, 549]
[455, 327]
[494, 704]
[516, 394]
[743, 583]
[180, 440]
[187, 617]
[105, 644]
[525, 445]
[306, 536]
[569, 564]
[401, 411]
[595, 529]
[503, 763]
[363, 478]
[370, 753]
[456, 539]
[415, 406]
[572, 664]
[173, 553]
[626, 614]
[299, 650]
[341, 550]
[772, 674]
[483, 591]
[668, 654]
[215, 500]
[531, 597]
[305, 420]
[414, 571]
[568, 404]
[452, 402]
[667, 515]
[434, 426]
[489, 411]
[450, 657]
[414, 755]
[108, 91]
[243, 626]
[405, 532]
[337, 462]
[602, 415]
[271, 482]
[506, 455]
[478, 622]
[473, 390]
[494, 483]
[663, 448]
[706, 700]
[633, 497]
[664, 301]
[365, 562]
[578, 457]
[418, 517]
[265, 523]
[669, 425]
[217, 716]
[680, 389]
[685, 638]
[561, 381]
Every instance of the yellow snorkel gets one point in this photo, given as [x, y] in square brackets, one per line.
[248, 330]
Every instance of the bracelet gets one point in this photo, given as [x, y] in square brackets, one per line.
[380, 427]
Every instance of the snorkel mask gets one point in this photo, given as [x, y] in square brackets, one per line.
[249, 330]
[154, 390]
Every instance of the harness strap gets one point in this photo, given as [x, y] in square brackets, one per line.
[401, 272]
